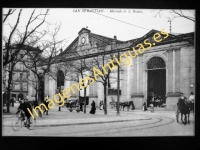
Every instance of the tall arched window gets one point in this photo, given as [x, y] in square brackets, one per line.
[60, 78]
[156, 63]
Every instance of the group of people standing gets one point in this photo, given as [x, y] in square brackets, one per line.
[155, 102]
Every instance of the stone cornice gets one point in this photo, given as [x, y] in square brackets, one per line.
[134, 95]
[93, 96]
[171, 94]
[170, 50]
[177, 49]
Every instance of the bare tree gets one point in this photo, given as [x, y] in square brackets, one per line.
[101, 62]
[177, 14]
[41, 64]
[10, 12]
[16, 40]
[78, 69]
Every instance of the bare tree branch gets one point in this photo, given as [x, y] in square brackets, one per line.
[10, 12]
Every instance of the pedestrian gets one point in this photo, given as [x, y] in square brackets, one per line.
[144, 108]
[191, 101]
[12, 101]
[101, 105]
[152, 108]
[4, 108]
[93, 108]
[153, 98]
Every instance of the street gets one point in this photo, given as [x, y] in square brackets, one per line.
[129, 123]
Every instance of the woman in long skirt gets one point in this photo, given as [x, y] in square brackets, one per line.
[93, 109]
[144, 108]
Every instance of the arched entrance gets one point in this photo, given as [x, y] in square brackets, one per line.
[60, 79]
[156, 80]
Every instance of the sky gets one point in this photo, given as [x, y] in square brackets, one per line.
[126, 24]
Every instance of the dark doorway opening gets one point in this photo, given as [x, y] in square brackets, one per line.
[156, 85]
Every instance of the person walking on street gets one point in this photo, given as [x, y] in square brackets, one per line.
[101, 105]
[93, 109]
[12, 101]
[152, 108]
[191, 99]
[144, 108]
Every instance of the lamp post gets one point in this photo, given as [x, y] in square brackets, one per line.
[118, 76]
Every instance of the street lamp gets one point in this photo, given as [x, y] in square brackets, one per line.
[118, 76]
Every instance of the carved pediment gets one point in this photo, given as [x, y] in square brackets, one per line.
[83, 30]
[150, 37]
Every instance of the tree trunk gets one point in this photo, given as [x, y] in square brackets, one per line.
[36, 93]
[8, 99]
[8, 89]
[105, 100]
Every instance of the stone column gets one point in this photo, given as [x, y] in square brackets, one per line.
[177, 70]
[100, 91]
[134, 76]
[123, 80]
[46, 86]
[140, 71]
[173, 79]
[67, 84]
[129, 80]
[29, 92]
[52, 86]
[170, 70]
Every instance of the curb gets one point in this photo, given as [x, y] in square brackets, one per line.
[83, 123]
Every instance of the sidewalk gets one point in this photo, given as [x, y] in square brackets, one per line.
[67, 118]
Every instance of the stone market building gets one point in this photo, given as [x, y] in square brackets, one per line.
[166, 69]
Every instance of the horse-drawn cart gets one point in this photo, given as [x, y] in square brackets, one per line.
[122, 105]
[114, 105]
[72, 104]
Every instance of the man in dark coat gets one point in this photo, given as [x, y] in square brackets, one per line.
[26, 115]
[181, 101]
[93, 109]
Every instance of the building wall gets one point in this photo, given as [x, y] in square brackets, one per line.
[133, 78]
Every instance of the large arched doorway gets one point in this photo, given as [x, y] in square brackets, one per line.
[60, 79]
[156, 80]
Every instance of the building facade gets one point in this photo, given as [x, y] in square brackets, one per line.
[20, 78]
[166, 69]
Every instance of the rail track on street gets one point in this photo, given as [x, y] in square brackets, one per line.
[157, 121]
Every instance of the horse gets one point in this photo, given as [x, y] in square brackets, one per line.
[184, 109]
[127, 104]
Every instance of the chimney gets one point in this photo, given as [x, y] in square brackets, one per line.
[61, 50]
[114, 40]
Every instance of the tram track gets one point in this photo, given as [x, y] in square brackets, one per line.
[114, 130]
